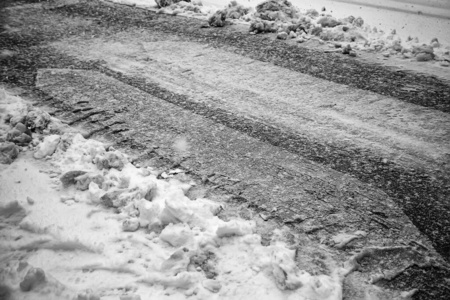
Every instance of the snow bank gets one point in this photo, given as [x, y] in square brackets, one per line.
[423, 20]
[191, 251]
[349, 33]
[345, 31]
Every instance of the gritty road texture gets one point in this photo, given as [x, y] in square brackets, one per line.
[386, 175]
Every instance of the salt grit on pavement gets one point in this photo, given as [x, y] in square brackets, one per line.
[72, 214]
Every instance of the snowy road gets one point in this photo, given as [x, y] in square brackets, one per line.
[322, 157]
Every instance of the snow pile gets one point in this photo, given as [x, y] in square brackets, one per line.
[8, 152]
[347, 35]
[20, 276]
[187, 8]
[232, 11]
[189, 251]
[351, 33]
[48, 146]
[237, 11]
[218, 18]
[282, 10]
[164, 3]
[195, 248]
[20, 128]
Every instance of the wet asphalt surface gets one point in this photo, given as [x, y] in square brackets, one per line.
[424, 197]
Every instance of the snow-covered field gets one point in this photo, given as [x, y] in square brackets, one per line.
[79, 221]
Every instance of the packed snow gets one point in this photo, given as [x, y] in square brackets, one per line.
[79, 221]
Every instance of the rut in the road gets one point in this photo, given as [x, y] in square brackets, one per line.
[428, 91]
[422, 197]
[325, 200]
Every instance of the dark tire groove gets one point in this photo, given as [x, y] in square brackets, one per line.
[421, 197]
